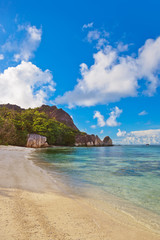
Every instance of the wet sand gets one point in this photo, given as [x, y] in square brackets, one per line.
[33, 207]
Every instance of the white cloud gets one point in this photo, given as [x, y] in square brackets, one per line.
[149, 132]
[121, 133]
[25, 85]
[89, 25]
[24, 47]
[122, 47]
[112, 120]
[93, 126]
[101, 43]
[113, 76]
[98, 36]
[93, 35]
[101, 131]
[34, 33]
[1, 56]
[142, 113]
[29, 44]
[100, 118]
[151, 136]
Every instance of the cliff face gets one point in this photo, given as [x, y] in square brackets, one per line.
[52, 111]
[12, 107]
[59, 114]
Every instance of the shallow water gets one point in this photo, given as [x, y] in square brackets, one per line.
[130, 173]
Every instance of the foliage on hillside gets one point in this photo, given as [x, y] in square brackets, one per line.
[15, 125]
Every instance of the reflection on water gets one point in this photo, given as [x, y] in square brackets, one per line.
[129, 172]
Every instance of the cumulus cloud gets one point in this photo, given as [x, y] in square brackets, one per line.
[23, 47]
[101, 43]
[151, 136]
[100, 118]
[93, 35]
[89, 25]
[121, 133]
[112, 76]
[25, 85]
[142, 113]
[112, 120]
[122, 47]
[99, 37]
[101, 131]
[1, 56]
[29, 44]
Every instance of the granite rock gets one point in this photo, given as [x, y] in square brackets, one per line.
[36, 141]
[107, 141]
[87, 140]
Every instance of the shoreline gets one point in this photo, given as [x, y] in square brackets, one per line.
[33, 207]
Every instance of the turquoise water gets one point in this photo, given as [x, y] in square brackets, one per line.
[131, 173]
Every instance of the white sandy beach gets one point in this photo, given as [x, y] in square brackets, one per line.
[32, 207]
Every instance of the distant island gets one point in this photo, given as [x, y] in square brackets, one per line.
[43, 126]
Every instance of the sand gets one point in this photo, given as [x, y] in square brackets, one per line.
[33, 207]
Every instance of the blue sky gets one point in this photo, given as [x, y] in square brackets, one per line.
[98, 60]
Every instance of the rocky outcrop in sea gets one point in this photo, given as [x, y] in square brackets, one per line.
[92, 140]
[107, 141]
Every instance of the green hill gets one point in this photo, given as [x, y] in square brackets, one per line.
[17, 123]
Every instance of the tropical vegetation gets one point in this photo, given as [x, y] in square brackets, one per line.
[16, 125]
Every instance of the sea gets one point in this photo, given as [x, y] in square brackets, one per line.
[128, 177]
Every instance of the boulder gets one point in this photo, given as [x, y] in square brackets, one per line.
[107, 141]
[36, 141]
